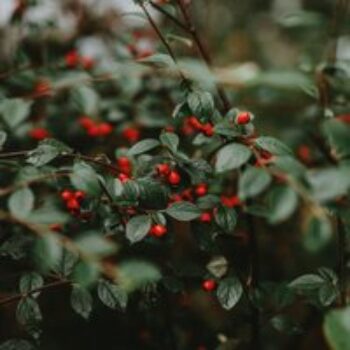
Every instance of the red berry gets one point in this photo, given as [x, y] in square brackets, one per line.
[230, 202]
[163, 169]
[209, 285]
[175, 198]
[208, 129]
[123, 177]
[42, 88]
[169, 128]
[206, 217]
[104, 129]
[93, 131]
[201, 190]
[55, 227]
[79, 195]
[39, 134]
[345, 118]
[304, 153]
[195, 123]
[187, 195]
[243, 118]
[87, 62]
[73, 204]
[66, 195]
[131, 134]
[158, 231]
[86, 122]
[174, 178]
[72, 58]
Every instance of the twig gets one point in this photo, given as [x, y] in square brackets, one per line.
[19, 296]
[163, 40]
[202, 50]
[341, 245]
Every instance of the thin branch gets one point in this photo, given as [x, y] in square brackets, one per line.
[169, 16]
[341, 245]
[19, 296]
[202, 50]
[163, 40]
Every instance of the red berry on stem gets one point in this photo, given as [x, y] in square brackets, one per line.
[206, 217]
[131, 134]
[66, 195]
[79, 195]
[163, 169]
[209, 285]
[39, 134]
[87, 62]
[86, 122]
[243, 118]
[73, 204]
[104, 129]
[72, 58]
[123, 177]
[201, 190]
[174, 178]
[42, 88]
[194, 122]
[158, 230]
[208, 129]
[93, 131]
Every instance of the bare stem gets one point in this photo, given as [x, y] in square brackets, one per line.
[19, 296]
[202, 50]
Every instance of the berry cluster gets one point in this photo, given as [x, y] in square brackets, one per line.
[72, 200]
[95, 129]
[173, 177]
[125, 166]
[192, 124]
[72, 60]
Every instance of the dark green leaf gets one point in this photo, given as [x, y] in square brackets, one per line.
[232, 156]
[81, 301]
[226, 218]
[183, 211]
[16, 344]
[28, 311]
[85, 178]
[138, 227]
[201, 103]
[15, 111]
[21, 203]
[229, 292]
[170, 140]
[112, 295]
[336, 328]
[252, 182]
[273, 146]
[30, 282]
[143, 146]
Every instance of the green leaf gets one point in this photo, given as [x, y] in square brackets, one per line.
[229, 292]
[328, 184]
[47, 251]
[138, 227]
[282, 201]
[21, 203]
[134, 274]
[95, 245]
[15, 111]
[112, 295]
[218, 266]
[81, 301]
[3, 138]
[201, 103]
[158, 61]
[183, 211]
[170, 140]
[307, 282]
[30, 282]
[16, 344]
[28, 311]
[226, 218]
[143, 146]
[273, 146]
[152, 194]
[253, 182]
[85, 178]
[65, 265]
[289, 165]
[318, 234]
[338, 134]
[336, 328]
[86, 100]
[232, 156]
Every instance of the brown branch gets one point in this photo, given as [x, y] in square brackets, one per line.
[202, 50]
[19, 296]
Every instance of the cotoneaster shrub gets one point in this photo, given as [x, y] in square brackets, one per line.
[139, 187]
